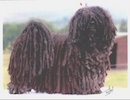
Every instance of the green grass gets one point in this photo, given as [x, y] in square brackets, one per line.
[115, 78]
[6, 78]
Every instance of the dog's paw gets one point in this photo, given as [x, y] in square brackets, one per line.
[17, 89]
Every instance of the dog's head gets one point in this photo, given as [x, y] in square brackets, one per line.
[92, 27]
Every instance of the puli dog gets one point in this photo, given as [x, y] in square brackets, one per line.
[75, 63]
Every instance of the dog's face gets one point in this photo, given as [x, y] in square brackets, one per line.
[92, 27]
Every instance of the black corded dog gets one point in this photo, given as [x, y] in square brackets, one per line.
[76, 63]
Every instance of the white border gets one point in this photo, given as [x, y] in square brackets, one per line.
[1, 52]
[121, 94]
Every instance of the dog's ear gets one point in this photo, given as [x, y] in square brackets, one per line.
[78, 26]
[106, 29]
[79, 23]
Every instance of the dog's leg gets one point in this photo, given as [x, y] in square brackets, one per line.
[13, 89]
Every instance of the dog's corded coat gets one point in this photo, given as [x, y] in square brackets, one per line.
[76, 63]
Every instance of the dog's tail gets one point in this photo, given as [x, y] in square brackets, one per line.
[31, 55]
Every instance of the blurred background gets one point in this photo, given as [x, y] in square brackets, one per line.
[56, 15]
